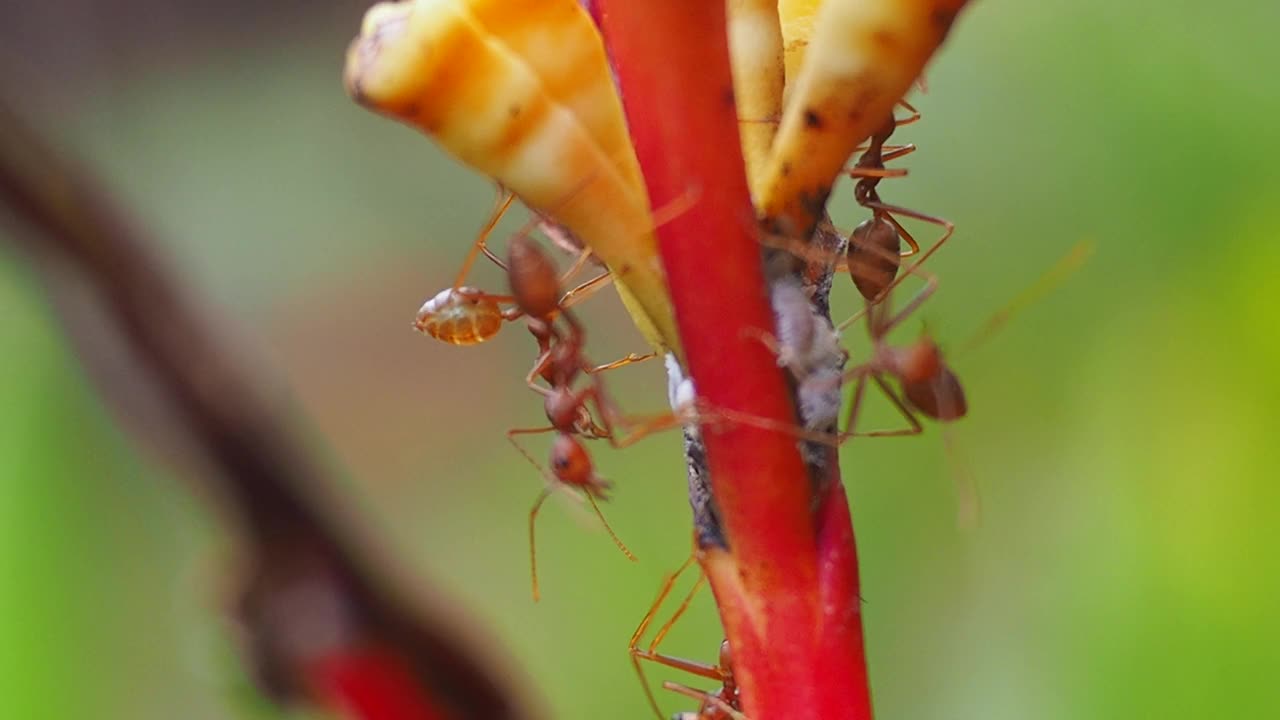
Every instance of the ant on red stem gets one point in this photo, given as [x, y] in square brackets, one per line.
[721, 704]
[928, 384]
[875, 246]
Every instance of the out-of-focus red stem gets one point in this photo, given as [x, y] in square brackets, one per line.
[297, 553]
[671, 58]
[372, 684]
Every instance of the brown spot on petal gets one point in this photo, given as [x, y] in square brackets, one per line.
[884, 38]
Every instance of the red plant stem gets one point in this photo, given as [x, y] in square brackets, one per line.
[671, 58]
[372, 684]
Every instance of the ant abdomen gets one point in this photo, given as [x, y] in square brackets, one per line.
[940, 397]
[535, 282]
[874, 256]
[461, 316]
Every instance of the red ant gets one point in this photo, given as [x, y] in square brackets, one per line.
[535, 289]
[462, 315]
[874, 252]
[721, 704]
[929, 385]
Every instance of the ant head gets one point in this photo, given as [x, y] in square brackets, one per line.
[940, 397]
[570, 462]
[535, 283]
[562, 408]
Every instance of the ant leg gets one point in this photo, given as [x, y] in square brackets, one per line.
[614, 421]
[637, 431]
[1033, 293]
[707, 414]
[511, 438]
[883, 327]
[530, 379]
[798, 248]
[553, 483]
[482, 295]
[912, 118]
[537, 504]
[859, 390]
[876, 172]
[585, 290]
[705, 697]
[968, 500]
[533, 547]
[579, 262]
[633, 645]
[897, 151]
[670, 623]
[947, 225]
[675, 207]
[771, 344]
[505, 198]
[915, 429]
[930, 286]
[621, 362]
[667, 585]
[616, 540]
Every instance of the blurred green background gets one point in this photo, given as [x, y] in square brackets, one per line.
[1120, 430]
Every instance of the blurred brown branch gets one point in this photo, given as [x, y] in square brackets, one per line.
[321, 623]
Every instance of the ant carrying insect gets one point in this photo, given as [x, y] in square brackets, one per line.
[463, 315]
[535, 290]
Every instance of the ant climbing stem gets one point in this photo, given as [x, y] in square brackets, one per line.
[928, 384]
[882, 234]
[719, 704]
[713, 706]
